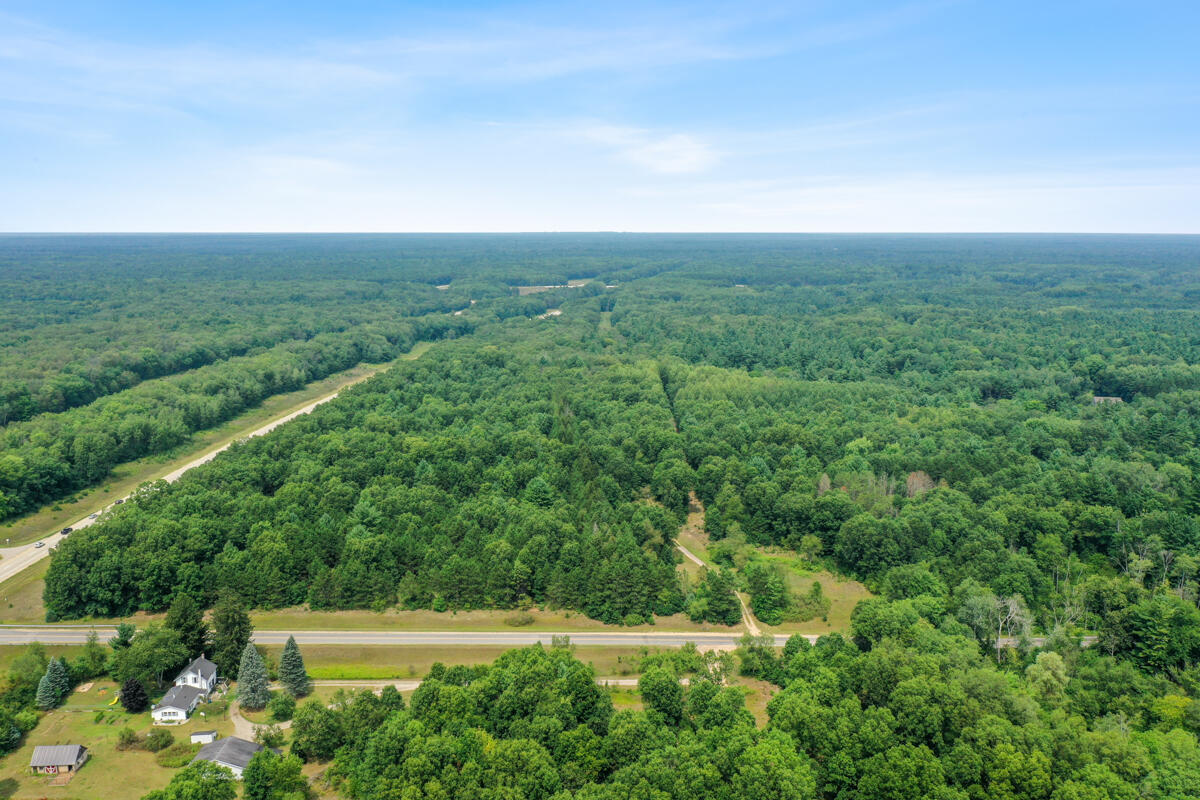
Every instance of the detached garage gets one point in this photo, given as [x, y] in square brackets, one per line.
[58, 759]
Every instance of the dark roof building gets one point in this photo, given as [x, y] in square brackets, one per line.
[183, 697]
[202, 667]
[231, 752]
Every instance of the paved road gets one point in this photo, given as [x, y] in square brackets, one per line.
[17, 559]
[77, 634]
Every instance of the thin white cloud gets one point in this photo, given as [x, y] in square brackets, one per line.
[666, 154]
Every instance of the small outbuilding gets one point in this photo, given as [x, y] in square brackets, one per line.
[177, 705]
[232, 752]
[57, 759]
[204, 737]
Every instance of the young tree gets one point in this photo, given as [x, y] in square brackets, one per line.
[316, 732]
[661, 691]
[124, 637]
[292, 674]
[92, 658]
[253, 687]
[187, 619]
[270, 777]
[133, 696]
[203, 779]
[231, 634]
[154, 652]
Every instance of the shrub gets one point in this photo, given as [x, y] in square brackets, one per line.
[133, 696]
[269, 735]
[127, 739]
[519, 619]
[158, 739]
[281, 707]
[177, 755]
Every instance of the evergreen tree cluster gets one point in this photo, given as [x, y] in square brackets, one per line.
[54, 686]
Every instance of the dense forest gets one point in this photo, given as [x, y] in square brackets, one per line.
[914, 713]
[999, 436]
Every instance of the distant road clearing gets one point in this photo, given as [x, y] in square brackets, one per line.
[14, 560]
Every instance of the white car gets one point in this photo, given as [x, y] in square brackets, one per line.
[40, 544]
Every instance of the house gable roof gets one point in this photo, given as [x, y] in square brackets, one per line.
[206, 668]
[231, 750]
[180, 697]
[56, 755]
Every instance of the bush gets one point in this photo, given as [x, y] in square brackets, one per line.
[269, 735]
[177, 755]
[632, 619]
[519, 619]
[127, 739]
[158, 739]
[281, 707]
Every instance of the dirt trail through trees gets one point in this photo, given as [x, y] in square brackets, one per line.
[695, 524]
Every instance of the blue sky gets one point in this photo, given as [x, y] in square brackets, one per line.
[801, 116]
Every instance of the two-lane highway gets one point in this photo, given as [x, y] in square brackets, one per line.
[77, 634]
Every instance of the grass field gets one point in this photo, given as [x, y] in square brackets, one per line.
[21, 596]
[478, 620]
[109, 773]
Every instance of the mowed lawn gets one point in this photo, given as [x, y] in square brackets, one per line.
[88, 719]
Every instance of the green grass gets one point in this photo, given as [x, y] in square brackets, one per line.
[21, 596]
[479, 620]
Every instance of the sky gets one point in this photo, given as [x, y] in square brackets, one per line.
[604, 116]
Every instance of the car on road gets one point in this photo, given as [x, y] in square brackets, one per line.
[93, 516]
[117, 502]
[40, 544]
[65, 531]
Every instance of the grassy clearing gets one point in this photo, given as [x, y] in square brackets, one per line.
[109, 773]
[758, 694]
[129, 476]
[413, 662]
[843, 593]
[21, 596]
[479, 620]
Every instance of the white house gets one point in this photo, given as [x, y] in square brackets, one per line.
[177, 705]
[204, 737]
[230, 752]
[201, 674]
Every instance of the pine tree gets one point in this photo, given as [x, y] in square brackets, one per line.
[133, 696]
[231, 634]
[292, 674]
[62, 679]
[186, 618]
[54, 685]
[46, 698]
[253, 687]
